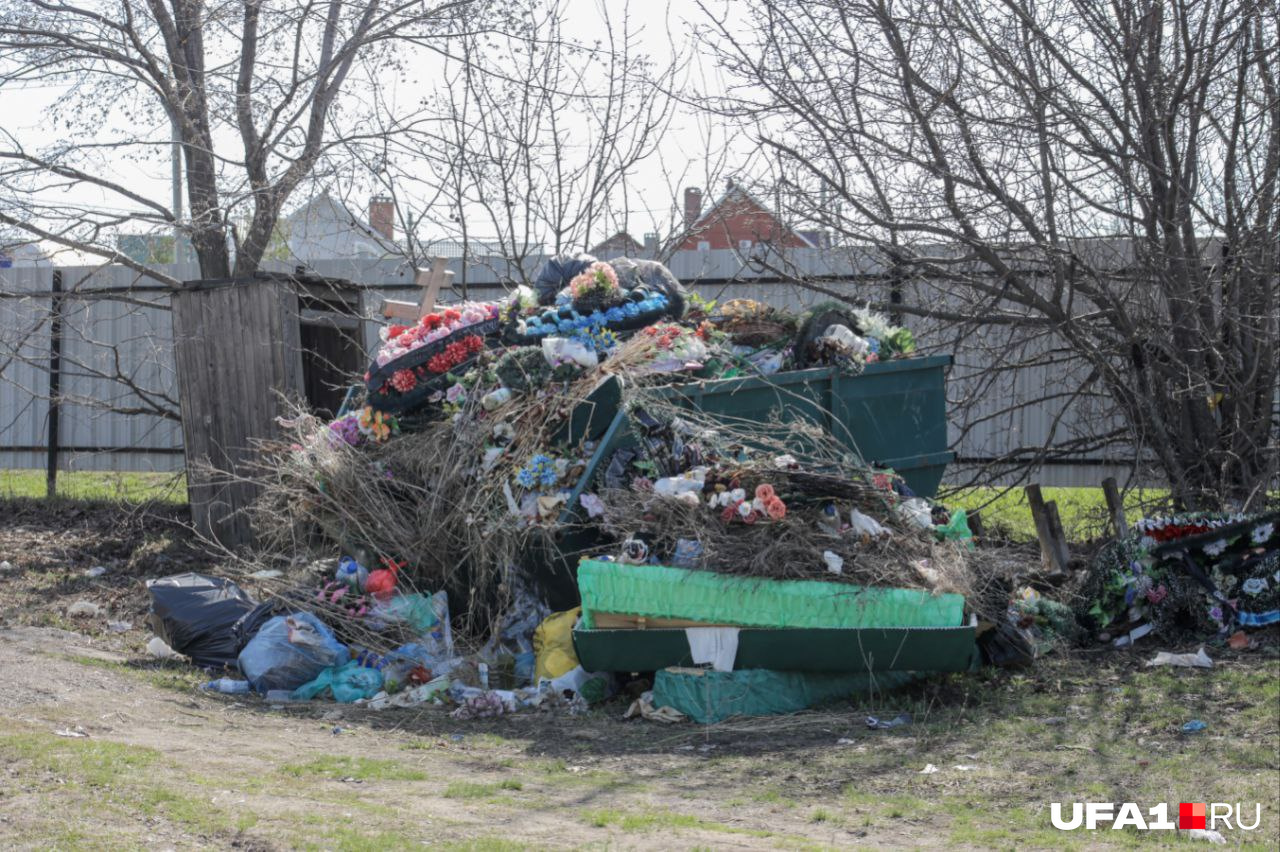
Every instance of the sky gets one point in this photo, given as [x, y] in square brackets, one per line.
[665, 29]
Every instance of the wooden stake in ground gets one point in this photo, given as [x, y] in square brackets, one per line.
[1053, 544]
[431, 281]
[1115, 504]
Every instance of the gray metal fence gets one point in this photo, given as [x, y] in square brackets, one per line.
[107, 331]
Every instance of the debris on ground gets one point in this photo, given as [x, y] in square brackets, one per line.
[1198, 660]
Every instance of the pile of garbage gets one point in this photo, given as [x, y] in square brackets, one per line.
[481, 446]
[1197, 573]
[526, 461]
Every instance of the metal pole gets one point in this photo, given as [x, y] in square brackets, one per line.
[55, 385]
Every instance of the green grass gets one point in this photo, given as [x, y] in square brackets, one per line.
[469, 790]
[639, 821]
[359, 768]
[94, 763]
[1083, 510]
[97, 486]
[163, 675]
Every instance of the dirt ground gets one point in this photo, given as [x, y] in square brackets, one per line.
[103, 747]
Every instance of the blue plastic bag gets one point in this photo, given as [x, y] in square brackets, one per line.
[289, 651]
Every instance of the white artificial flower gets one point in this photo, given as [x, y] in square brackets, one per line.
[1255, 585]
[1215, 548]
[1262, 532]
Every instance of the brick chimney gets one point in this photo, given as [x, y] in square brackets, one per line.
[382, 217]
[692, 205]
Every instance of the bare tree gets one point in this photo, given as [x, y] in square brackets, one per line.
[530, 141]
[1091, 184]
[255, 95]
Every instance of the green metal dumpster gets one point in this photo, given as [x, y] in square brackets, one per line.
[893, 413]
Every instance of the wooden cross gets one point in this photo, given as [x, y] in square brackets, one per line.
[431, 281]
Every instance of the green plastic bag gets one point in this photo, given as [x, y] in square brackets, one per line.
[347, 683]
[957, 529]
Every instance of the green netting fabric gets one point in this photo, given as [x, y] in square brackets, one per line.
[659, 591]
[709, 697]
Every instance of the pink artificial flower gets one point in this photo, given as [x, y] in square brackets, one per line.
[776, 508]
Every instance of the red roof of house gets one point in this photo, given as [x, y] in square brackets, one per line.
[737, 218]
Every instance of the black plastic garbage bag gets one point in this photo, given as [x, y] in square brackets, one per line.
[251, 622]
[556, 274]
[634, 273]
[196, 615]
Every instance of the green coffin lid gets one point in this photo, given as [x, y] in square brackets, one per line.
[659, 591]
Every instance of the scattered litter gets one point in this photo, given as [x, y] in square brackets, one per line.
[266, 574]
[6, 566]
[433, 690]
[929, 769]
[1198, 660]
[337, 729]
[228, 686]
[845, 741]
[964, 767]
[1207, 834]
[643, 707]
[834, 561]
[119, 626]
[84, 609]
[96, 571]
[157, 648]
[1239, 640]
[1195, 726]
[888, 724]
[77, 731]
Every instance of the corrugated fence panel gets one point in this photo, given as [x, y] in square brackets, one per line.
[24, 346]
[986, 418]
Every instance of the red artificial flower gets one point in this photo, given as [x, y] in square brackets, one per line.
[764, 491]
[404, 380]
[397, 330]
[651, 330]
[450, 315]
[751, 517]
[431, 321]
[729, 512]
[407, 339]
[474, 343]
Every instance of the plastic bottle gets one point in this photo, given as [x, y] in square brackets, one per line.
[228, 686]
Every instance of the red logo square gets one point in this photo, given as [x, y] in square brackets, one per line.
[1191, 815]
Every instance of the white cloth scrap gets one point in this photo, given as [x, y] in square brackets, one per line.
[715, 645]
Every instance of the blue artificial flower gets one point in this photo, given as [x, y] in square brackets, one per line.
[549, 477]
[526, 478]
[631, 309]
[873, 344]
[614, 315]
